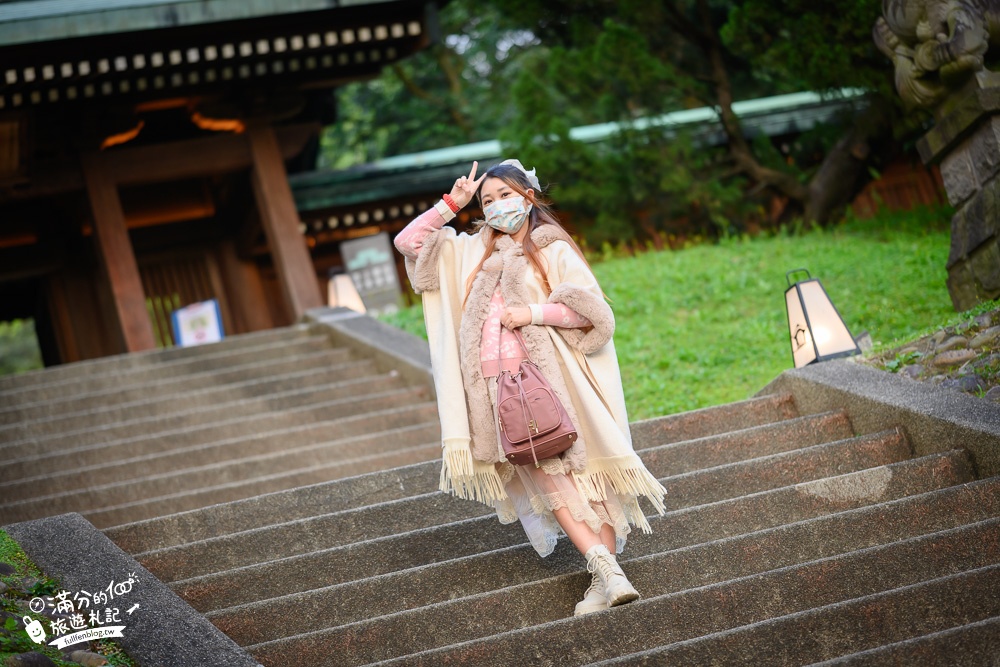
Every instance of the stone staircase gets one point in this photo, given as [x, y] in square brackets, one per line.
[789, 538]
[139, 436]
[784, 532]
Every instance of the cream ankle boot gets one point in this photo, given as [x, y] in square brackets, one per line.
[594, 599]
[617, 588]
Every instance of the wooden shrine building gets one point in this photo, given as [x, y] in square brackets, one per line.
[145, 147]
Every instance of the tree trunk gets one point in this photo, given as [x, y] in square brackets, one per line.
[844, 169]
[739, 149]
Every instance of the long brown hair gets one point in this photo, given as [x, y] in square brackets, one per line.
[540, 214]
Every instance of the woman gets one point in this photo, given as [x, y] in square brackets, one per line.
[521, 270]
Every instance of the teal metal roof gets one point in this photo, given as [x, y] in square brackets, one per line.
[32, 21]
[427, 171]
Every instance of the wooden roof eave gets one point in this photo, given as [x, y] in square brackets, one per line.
[52, 20]
[319, 49]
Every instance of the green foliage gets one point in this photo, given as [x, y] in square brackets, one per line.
[706, 325]
[409, 319]
[18, 347]
[810, 45]
[452, 93]
[15, 639]
[12, 554]
[901, 360]
[527, 72]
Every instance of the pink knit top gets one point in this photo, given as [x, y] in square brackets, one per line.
[500, 349]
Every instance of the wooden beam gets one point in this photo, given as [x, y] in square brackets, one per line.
[280, 220]
[200, 157]
[117, 255]
[131, 165]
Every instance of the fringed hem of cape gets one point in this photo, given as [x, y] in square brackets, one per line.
[629, 479]
[464, 477]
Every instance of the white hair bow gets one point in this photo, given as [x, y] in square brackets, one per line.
[530, 174]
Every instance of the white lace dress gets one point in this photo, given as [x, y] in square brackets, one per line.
[533, 493]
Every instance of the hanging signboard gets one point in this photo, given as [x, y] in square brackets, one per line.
[197, 324]
[369, 262]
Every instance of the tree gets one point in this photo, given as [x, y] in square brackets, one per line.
[528, 72]
[449, 94]
[622, 60]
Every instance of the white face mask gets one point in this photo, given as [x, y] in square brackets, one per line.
[508, 214]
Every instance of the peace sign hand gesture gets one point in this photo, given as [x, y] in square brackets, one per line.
[465, 187]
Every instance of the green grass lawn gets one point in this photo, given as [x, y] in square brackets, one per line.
[706, 325]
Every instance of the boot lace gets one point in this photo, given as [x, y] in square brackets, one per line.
[602, 565]
[596, 585]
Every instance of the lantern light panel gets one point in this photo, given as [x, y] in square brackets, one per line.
[816, 330]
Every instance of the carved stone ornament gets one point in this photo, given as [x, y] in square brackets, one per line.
[936, 45]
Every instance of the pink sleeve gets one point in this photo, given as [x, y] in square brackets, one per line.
[559, 315]
[411, 239]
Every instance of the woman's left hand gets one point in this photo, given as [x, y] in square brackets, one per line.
[516, 317]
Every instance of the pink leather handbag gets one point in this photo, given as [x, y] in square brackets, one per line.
[532, 423]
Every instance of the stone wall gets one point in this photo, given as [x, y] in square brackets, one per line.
[966, 143]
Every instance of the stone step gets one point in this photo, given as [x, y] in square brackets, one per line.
[313, 574]
[227, 427]
[715, 420]
[211, 464]
[127, 389]
[126, 362]
[228, 447]
[712, 450]
[225, 406]
[893, 617]
[687, 489]
[774, 471]
[706, 452]
[433, 509]
[288, 504]
[121, 404]
[217, 360]
[697, 565]
[969, 645]
[438, 544]
[107, 495]
[524, 625]
[149, 508]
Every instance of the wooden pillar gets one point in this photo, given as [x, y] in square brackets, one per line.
[117, 255]
[245, 290]
[280, 220]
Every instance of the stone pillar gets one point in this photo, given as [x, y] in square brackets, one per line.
[965, 142]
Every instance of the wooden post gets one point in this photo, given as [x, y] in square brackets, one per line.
[245, 290]
[117, 255]
[280, 220]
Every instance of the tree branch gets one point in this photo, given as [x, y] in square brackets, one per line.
[412, 86]
[740, 150]
[684, 27]
[417, 91]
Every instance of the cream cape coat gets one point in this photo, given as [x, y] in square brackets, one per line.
[581, 366]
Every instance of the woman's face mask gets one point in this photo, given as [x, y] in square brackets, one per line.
[507, 214]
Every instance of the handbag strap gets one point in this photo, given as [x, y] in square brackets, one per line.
[520, 340]
[529, 416]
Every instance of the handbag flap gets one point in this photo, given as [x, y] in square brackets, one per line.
[540, 414]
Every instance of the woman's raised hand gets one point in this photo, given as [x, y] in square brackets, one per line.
[465, 187]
